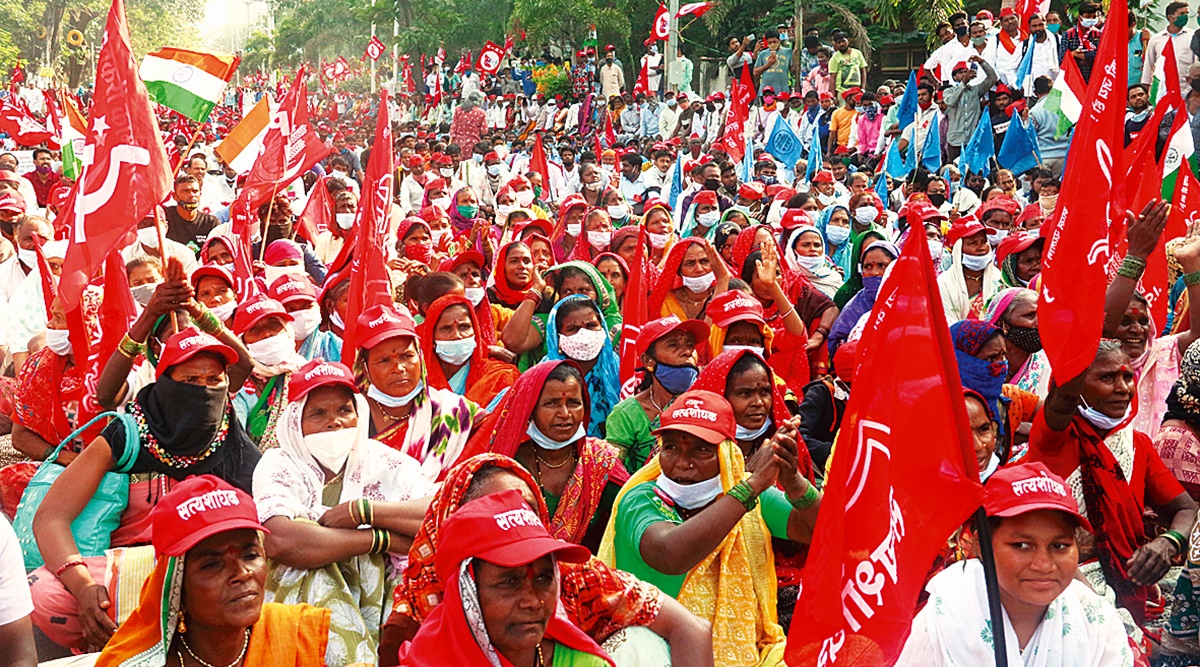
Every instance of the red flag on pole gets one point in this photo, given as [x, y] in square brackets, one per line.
[642, 85]
[741, 92]
[489, 58]
[609, 134]
[375, 49]
[464, 63]
[696, 9]
[661, 29]
[22, 127]
[633, 310]
[318, 212]
[118, 311]
[124, 174]
[369, 281]
[899, 484]
[1071, 307]
[539, 163]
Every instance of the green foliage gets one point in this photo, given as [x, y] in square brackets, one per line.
[258, 52]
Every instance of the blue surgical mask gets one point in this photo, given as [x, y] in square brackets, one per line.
[675, 379]
[1088, 23]
[837, 235]
[546, 442]
[746, 435]
[389, 401]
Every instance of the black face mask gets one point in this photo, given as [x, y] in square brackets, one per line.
[937, 200]
[183, 432]
[9, 228]
[712, 183]
[961, 31]
[1028, 339]
[1196, 84]
[276, 232]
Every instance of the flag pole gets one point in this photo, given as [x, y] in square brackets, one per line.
[184, 155]
[262, 246]
[162, 253]
[983, 533]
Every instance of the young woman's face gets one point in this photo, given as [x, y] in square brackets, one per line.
[809, 244]
[695, 261]
[875, 262]
[1036, 558]
[613, 273]
[750, 395]
[518, 267]
[1134, 330]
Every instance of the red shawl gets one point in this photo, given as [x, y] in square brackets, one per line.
[486, 377]
[506, 295]
[485, 327]
[669, 279]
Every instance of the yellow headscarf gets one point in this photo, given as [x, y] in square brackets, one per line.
[748, 565]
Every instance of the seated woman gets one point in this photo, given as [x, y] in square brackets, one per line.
[498, 576]
[1020, 258]
[143, 273]
[569, 226]
[282, 257]
[1047, 612]
[196, 370]
[455, 356]
[299, 298]
[334, 297]
[725, 236]
[265, 326]
[428, 424]
[737, 323]
[597, 235]
[804, 251]
[614, 269]
[575, 330]
[414, 251]
[669, 353]
[692, 274]
[213, 285]
[1083, 434]
[674, 520]
[467, 229]
[541, 423]
[834, 223]
[1014, 311]
[469, 267]
[610, 606]
[618, 209]
[341, 509]
[218, 250]
[204, 598]
[512, 276]
[979, 351]
[877, 255]
[972, 278]
[329, 242]
[660, 229]
[702, 216]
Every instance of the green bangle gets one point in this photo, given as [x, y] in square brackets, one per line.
[380, 541]
[1132, 267]
[1176, 538]
[1191, 279]
[745, 495]
[807, 500]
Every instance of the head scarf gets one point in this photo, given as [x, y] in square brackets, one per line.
[996, 306]
[479, 361]
[872, 238]
[506, 294]
[406, 226]
[840, 254]
[1008, 267]
[607, 300]
[616, 258]
[984, 377]
[460, 224]
[670, 279]
[715, 378]
[280, 250]
[228, 242]
[603, 382]
[434, 184]
[1184, 401]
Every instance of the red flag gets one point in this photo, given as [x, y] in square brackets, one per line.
[661, 29]
[1142, 185]
[696, 9]
[375, 49]
[54, 119]
[633, 310]
[1170, 70]
[369, 281]
[117, 313]
[318, 212]
[1185, 205]
[538, 163]
[740, 94]
[321, 78]
[609, 134]
[124, 174]
[1071, 307]
[508, 43]
[22, 127]
[642, 85]
[243, 255]
[901, 484]
[441, 55]
[290, 148]
[464, 63]
[49, 289]
[489, 58]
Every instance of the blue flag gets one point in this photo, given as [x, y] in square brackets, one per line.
[881, 188]
[676, 182]
[1019, 152]
[931, 153]
[747, 169]
[893, 162]
[1023, 72]
[906, 111]
[784, 144]
[814, 153]
[979, 149]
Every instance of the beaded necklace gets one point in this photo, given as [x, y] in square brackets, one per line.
[174, 460]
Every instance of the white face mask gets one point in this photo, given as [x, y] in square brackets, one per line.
[747, 435]
[935, 251]
[336, 320]
[148, 236]
[27, 257]
[224, 311]
[59, 341]
[978, 262]
[275, 349]
[446, 172]
[332, 448]
[1101, 420]
[273, 273]
[546, 442]
[598, 185]
[306, 321]
[389, 401]
[524, 198]
[825, 199]
[866, 214]
[455, 352]
[690, 496]
[345, 220]
[441, 202]
[837, 235]
[230, 267]
[440, 235]
[474, 294]
[658, 241]
[708, 219]
[600, 240]
[753, 348]
[583, 345]
[996, 238]
[699, 283]
[143, 293]
[493, 170]
[503, 211]
[618, 211]
[573, 230]
[811, 263]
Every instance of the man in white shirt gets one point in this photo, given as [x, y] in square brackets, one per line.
[147, 245]
[659, 175]
[1044, 43]
[412, 187]
[669, 117]
[1008, 48]
[14, 270]
[632, 184]
[653, 62]
[956, 50]
[1181, 40]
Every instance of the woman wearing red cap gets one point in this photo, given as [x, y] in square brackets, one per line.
[172, 444]
[341, 509]
[1049, 616]
[267, 330]
[205, 597]
[972, 277]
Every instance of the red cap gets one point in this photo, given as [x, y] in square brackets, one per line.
[659, 203]
[1007, 11]
[924, 210]
[540, 225]
[734, 306]
[1015, 490]
[851, 92]
[964, 227]
[381, 322]
[823, 176]
[462, 258]
[655, 329]
[845, 360]
[211, 270]
[887, 100]
[703, 414]
[11, 202]
[751, 190]
[841, 150]
[795, 217]
[255, 309]
[705, 197]
[1030, 212]
[415, 160]
[825, 95]
[186, 344]
[318, 373]
[491, 155]
[1002, 88]
[292, 287]
[784, 96]
[984, 14]
[1015, 243]
[198, 508]
[6, 175]
[501, 529]
[962, 64]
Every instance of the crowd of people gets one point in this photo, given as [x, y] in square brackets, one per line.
[499, 467]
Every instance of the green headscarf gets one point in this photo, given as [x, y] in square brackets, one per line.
[854, 283]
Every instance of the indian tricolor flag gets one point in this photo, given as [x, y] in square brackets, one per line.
[1179, 147]
[1066, 97]
[240, 149]
[190, 82]
[74, 134]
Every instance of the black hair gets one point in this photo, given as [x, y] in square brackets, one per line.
[185, 178]
[569, 307]
[424, 290]
[566, 371]
[749, 266]
[481, 477]
[39, 151]
[744, 364]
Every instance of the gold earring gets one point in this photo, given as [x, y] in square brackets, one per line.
[182, 624]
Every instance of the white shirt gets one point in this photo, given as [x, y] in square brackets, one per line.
[12, 274]
[16, 602]
[1044, 61]
[652, 79]
[946, 56]
[411, 194]
[1006, 63]
[1182, 43]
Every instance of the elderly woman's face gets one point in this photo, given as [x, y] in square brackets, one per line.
[1029, 262]
[329, 408]
[983, 431]
[395, 365]
[695, 261]
[577, 284]
[223, 578]
[1108, 384]
[454, 324]
[687, 459]
[263, 329]
[658, 222]
[219, 253]
[203, 370]
[470, 274]
[213, 291]
[1134, 330]
[976, 244]
[1036, 557]
[560, 409]
[517, 602]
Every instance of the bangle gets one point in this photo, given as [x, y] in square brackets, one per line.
[789, 312]
[356, 519]
[1132, 267]
[823, 330]
[1175, 537]
[366, 515]
[534, 296]
[68, 565]
[130, 348]
[374, 542]
[381, 541]
[807, 500]
[745, 495]
[207, 322]
[1191, 279]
